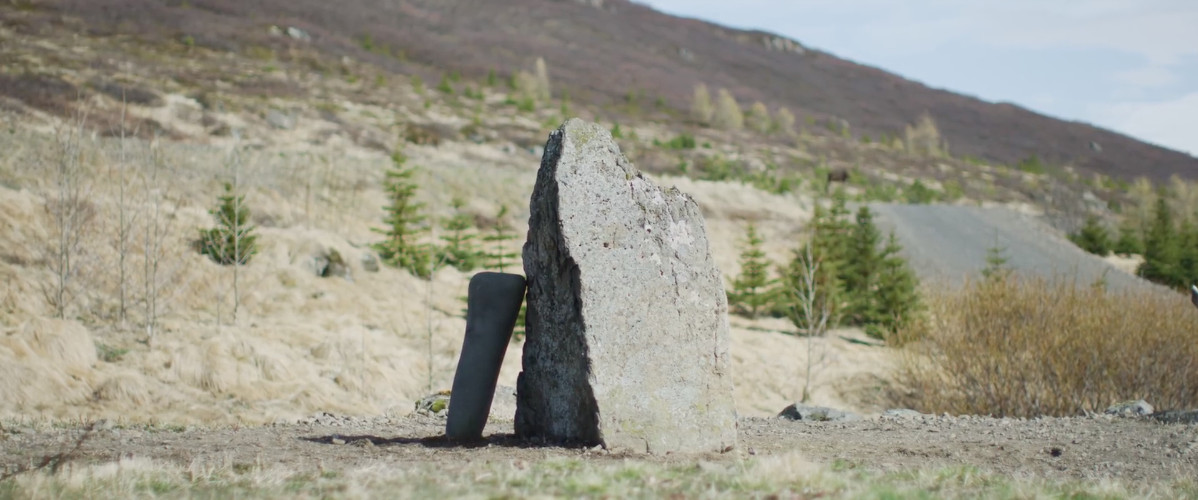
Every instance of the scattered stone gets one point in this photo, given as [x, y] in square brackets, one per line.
[1176, 416]
[1136, 408]
[338, 441]
[904, 413]
[370, 262]
[298, 34]
[799, 411]
[627, 328]
[435, 405]
[280, 120]
[320, 260]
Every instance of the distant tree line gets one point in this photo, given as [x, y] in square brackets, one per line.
[1166, 238]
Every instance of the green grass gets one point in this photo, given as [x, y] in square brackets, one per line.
[785, 476]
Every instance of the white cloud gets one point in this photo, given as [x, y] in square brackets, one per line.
[1150, 76]
[1169, 123]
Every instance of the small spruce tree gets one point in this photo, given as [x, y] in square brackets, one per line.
[232, 241]
[498, 257]
[1161, 250]
[752, 290]
[1129, 238]
[996, 263]
[402, 221]
[897, 299]
[460, 250]
[860, 273]
[1092, 237]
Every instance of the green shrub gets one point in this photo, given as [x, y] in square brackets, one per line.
[682, 141]
[919, 193]
[232, 241]
[445, 86]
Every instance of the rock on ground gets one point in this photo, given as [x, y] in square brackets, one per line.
[627, 329]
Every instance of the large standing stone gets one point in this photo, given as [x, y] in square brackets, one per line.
[627, 328]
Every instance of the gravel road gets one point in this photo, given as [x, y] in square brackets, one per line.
[948, 242]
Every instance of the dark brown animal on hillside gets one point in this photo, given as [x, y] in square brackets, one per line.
[839, 175]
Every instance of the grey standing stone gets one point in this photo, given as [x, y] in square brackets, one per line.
[627, 328]
[492, 306]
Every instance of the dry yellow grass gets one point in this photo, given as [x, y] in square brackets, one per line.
[1029, 347]
[300, 344]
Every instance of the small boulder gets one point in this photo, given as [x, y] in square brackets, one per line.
[799, 411]
[320, 260]
[434, 405]
[370, 262]
[280, 120]
[1136, 408]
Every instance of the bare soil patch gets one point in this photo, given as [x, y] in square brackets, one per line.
[1091, 448]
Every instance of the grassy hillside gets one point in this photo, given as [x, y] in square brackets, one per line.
[616, 55]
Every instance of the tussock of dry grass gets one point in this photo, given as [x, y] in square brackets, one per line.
[775, 477]
[1029, 347]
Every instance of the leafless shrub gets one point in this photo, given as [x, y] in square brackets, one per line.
[784, 121]
[71, 212]
[728, 115]
[1023, 347]
[924, 138]
[759, 118]
[702, 111]
[810, 309]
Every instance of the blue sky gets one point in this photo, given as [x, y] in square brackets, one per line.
[1125, 65]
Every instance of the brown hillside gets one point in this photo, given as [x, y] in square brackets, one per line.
[616, 52]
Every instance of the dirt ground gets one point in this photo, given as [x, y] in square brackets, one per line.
[1078, 449]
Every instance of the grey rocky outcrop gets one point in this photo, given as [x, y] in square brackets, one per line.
[627, 329]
